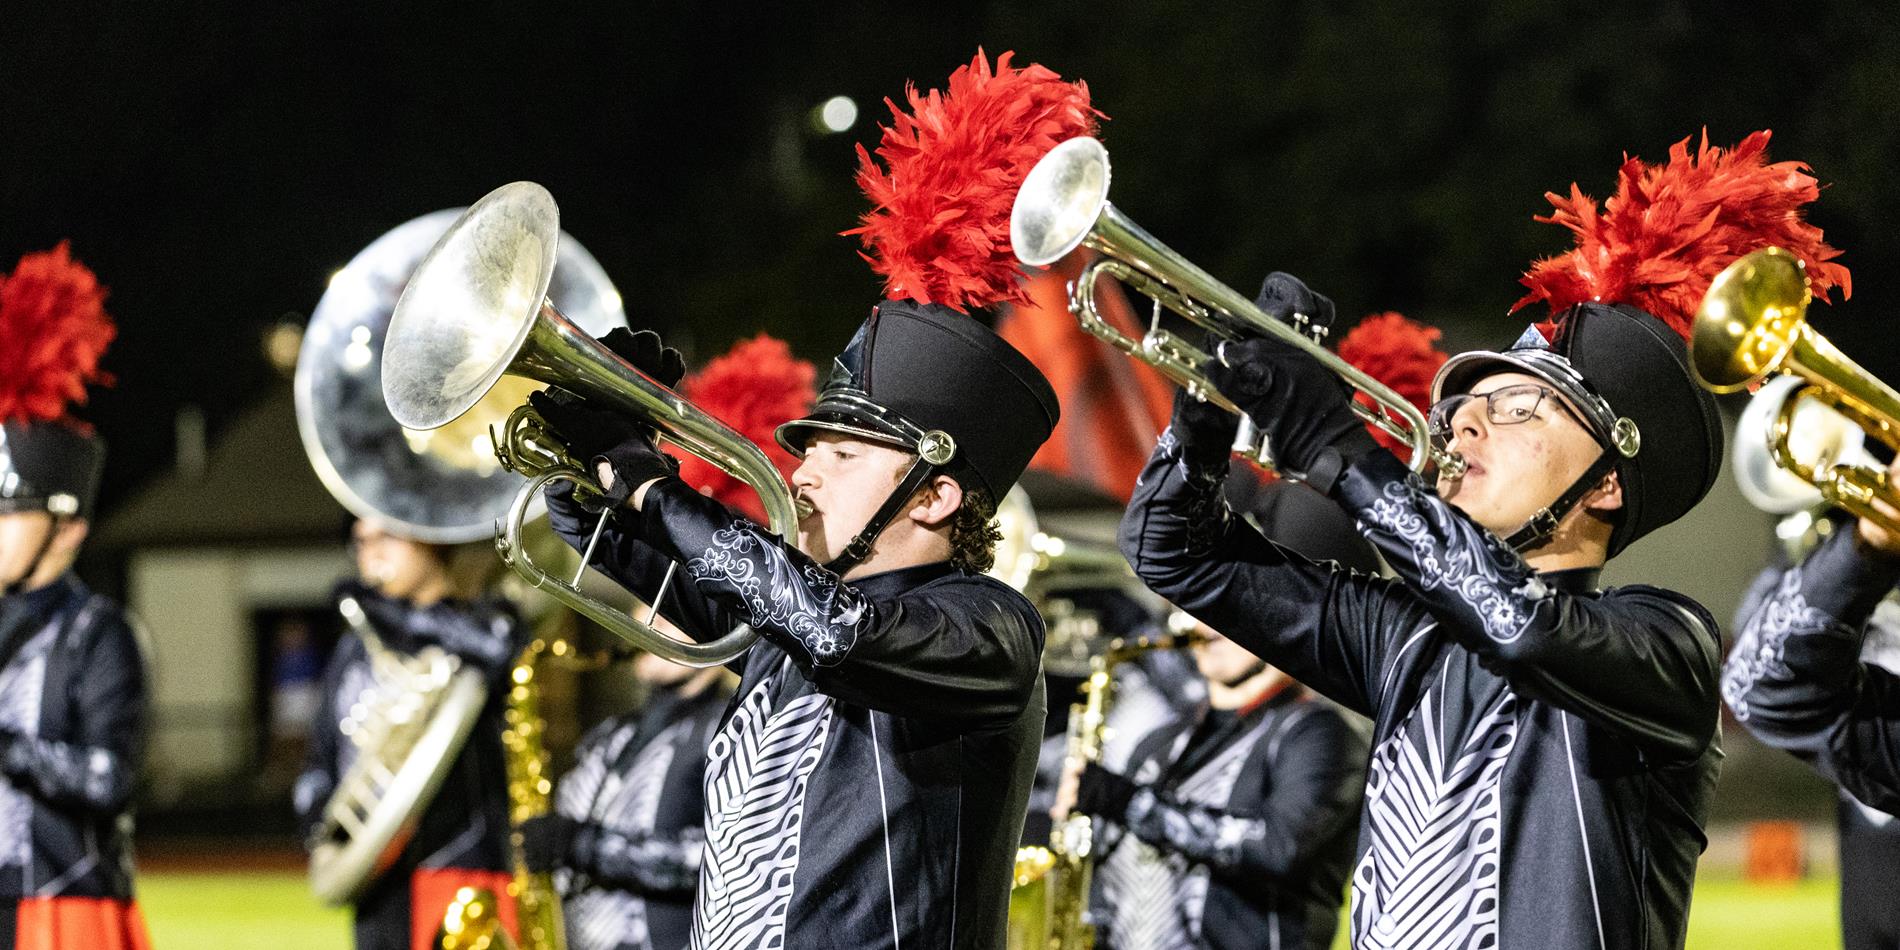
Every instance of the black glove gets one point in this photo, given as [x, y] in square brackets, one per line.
[1304, 409]
[1284, 296]
[1105, 793]
[598, 435]
[545, 842]
[647, 354]
[1205, 432]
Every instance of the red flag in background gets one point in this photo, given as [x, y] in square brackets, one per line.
[1113, 407]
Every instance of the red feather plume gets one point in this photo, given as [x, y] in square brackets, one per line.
[753, 388]
[53, 330]
[938, 229]
[1669, 229]
[1399, 352]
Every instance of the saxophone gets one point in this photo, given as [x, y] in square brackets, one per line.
[472, 921]
[1050, 900]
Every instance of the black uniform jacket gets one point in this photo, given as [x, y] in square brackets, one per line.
[72, 724]
[1242, 833]
[1543, 753]
[868, 784]
[466, 825]
[637, 795]
[1796, 680]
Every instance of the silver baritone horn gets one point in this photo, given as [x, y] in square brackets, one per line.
[477, 312]
[1063, 205]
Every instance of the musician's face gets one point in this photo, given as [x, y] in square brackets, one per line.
[23, 535]
[845, 481]
[1222, 660]
[396, 566]
[1513, 471]
[657, 671]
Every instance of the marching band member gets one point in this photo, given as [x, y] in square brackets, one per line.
[1239, 818]
[1238, 822]
[626, 836]
[417, 595]
[72, 675]
[1543, 750]
[627, 833]
[867, 787]
[1817, 652]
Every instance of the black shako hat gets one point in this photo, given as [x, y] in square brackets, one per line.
[1627, 375]
[49, 466]
[931, 381]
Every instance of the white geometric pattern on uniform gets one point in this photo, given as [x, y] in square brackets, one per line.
[1429, 878]
[757, 768]
[1156, 898]
[21, 686]
[627, 803]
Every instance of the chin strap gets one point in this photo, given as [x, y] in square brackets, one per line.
[1544, 523]
[934, 452]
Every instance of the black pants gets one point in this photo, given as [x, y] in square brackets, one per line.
[1870, 863]
[9, 922]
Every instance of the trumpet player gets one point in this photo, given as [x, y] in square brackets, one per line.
[1237, 822]
[867, 786]
[416, 595]
[72, 675]
[1811, 673]
[1544, 749]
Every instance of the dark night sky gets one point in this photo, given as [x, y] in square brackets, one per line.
[215, 165]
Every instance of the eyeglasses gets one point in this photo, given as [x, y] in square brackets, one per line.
[1504, 406]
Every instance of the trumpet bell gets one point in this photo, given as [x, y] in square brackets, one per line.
[1750, 320]
[471, 305]
[1059, 202]
[443, 486]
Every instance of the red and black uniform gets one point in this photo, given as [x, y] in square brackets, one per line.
[462, 836]
[72, 721]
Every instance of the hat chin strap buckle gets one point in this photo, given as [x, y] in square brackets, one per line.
[935, 449]
[1545, 522]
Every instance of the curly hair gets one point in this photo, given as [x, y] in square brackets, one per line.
[974, 533]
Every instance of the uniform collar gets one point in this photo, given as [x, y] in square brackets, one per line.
[1576, 580]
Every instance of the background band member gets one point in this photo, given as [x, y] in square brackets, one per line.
[1543, 751]
[867, 787]
[1806, 701]
[419, 595]
[72, 676]
[626, 834]
[1800, 679]
[1238, 821]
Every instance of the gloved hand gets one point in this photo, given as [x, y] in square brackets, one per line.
[1205, 432]
[647, 354]
[1105, 793]
[1302, 407]
[597, 435]
[545, 842]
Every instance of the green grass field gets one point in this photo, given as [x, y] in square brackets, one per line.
[274, 911]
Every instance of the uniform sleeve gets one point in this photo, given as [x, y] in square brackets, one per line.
[1795, 679]
[1314, 779]
[1329, 627]
[1639, 661]
[963, 650]
[634, 564]
[97, 769]
[653, 864]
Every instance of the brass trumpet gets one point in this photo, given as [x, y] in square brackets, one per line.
[477, 311]
[1753, 324]
[1063, 204]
